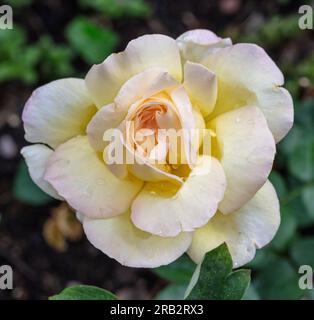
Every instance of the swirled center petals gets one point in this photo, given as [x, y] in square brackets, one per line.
[144, 140]
[131, 95]
[149, 121]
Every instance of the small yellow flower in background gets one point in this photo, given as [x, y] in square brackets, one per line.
[61, 226]
[148, 213]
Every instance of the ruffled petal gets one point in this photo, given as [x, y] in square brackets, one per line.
[156, 211]
[57, 112]
[253, 226]
[188, 121]
[201, 85]
[108, 117]
[121, 240]
[197, 44]
[142, 86]
[247, 76]
[105, 80]
[81, 177]
[247, 150]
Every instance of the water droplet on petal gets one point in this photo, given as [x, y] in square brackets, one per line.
[100, 182]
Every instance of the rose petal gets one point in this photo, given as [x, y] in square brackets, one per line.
[247, 150]
[137, 88]
[197, 44]
[247, 75]
[201, 85]
[79, 175]
[57, 112]
[105, 80]
[252, 226]
[144, 170]
[188, 208]
[143, 85]
[277, 106]
[106, 118]
[36, 157]
[188, 122]
[121, 240]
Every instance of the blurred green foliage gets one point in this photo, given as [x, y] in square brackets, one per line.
[101, 41]
[119, 8]
[273, 31]
[12, 67]
[278, 280]
[174, 291]
[18, 3]
[21, 61]
[179, 271]
[54, 59]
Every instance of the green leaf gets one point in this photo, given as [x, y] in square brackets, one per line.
[91, 41]
[302, 251]
[84, 292]
[25, 190]
[213, 279]
[172, 292]
[308, 199]
[180, 271]
[278, 281]
[236, 285]
[251, 293]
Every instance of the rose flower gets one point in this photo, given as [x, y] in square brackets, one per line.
[173, 198]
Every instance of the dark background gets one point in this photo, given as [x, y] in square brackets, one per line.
[51, 39]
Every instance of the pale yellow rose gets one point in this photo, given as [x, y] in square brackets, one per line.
[148, 214]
